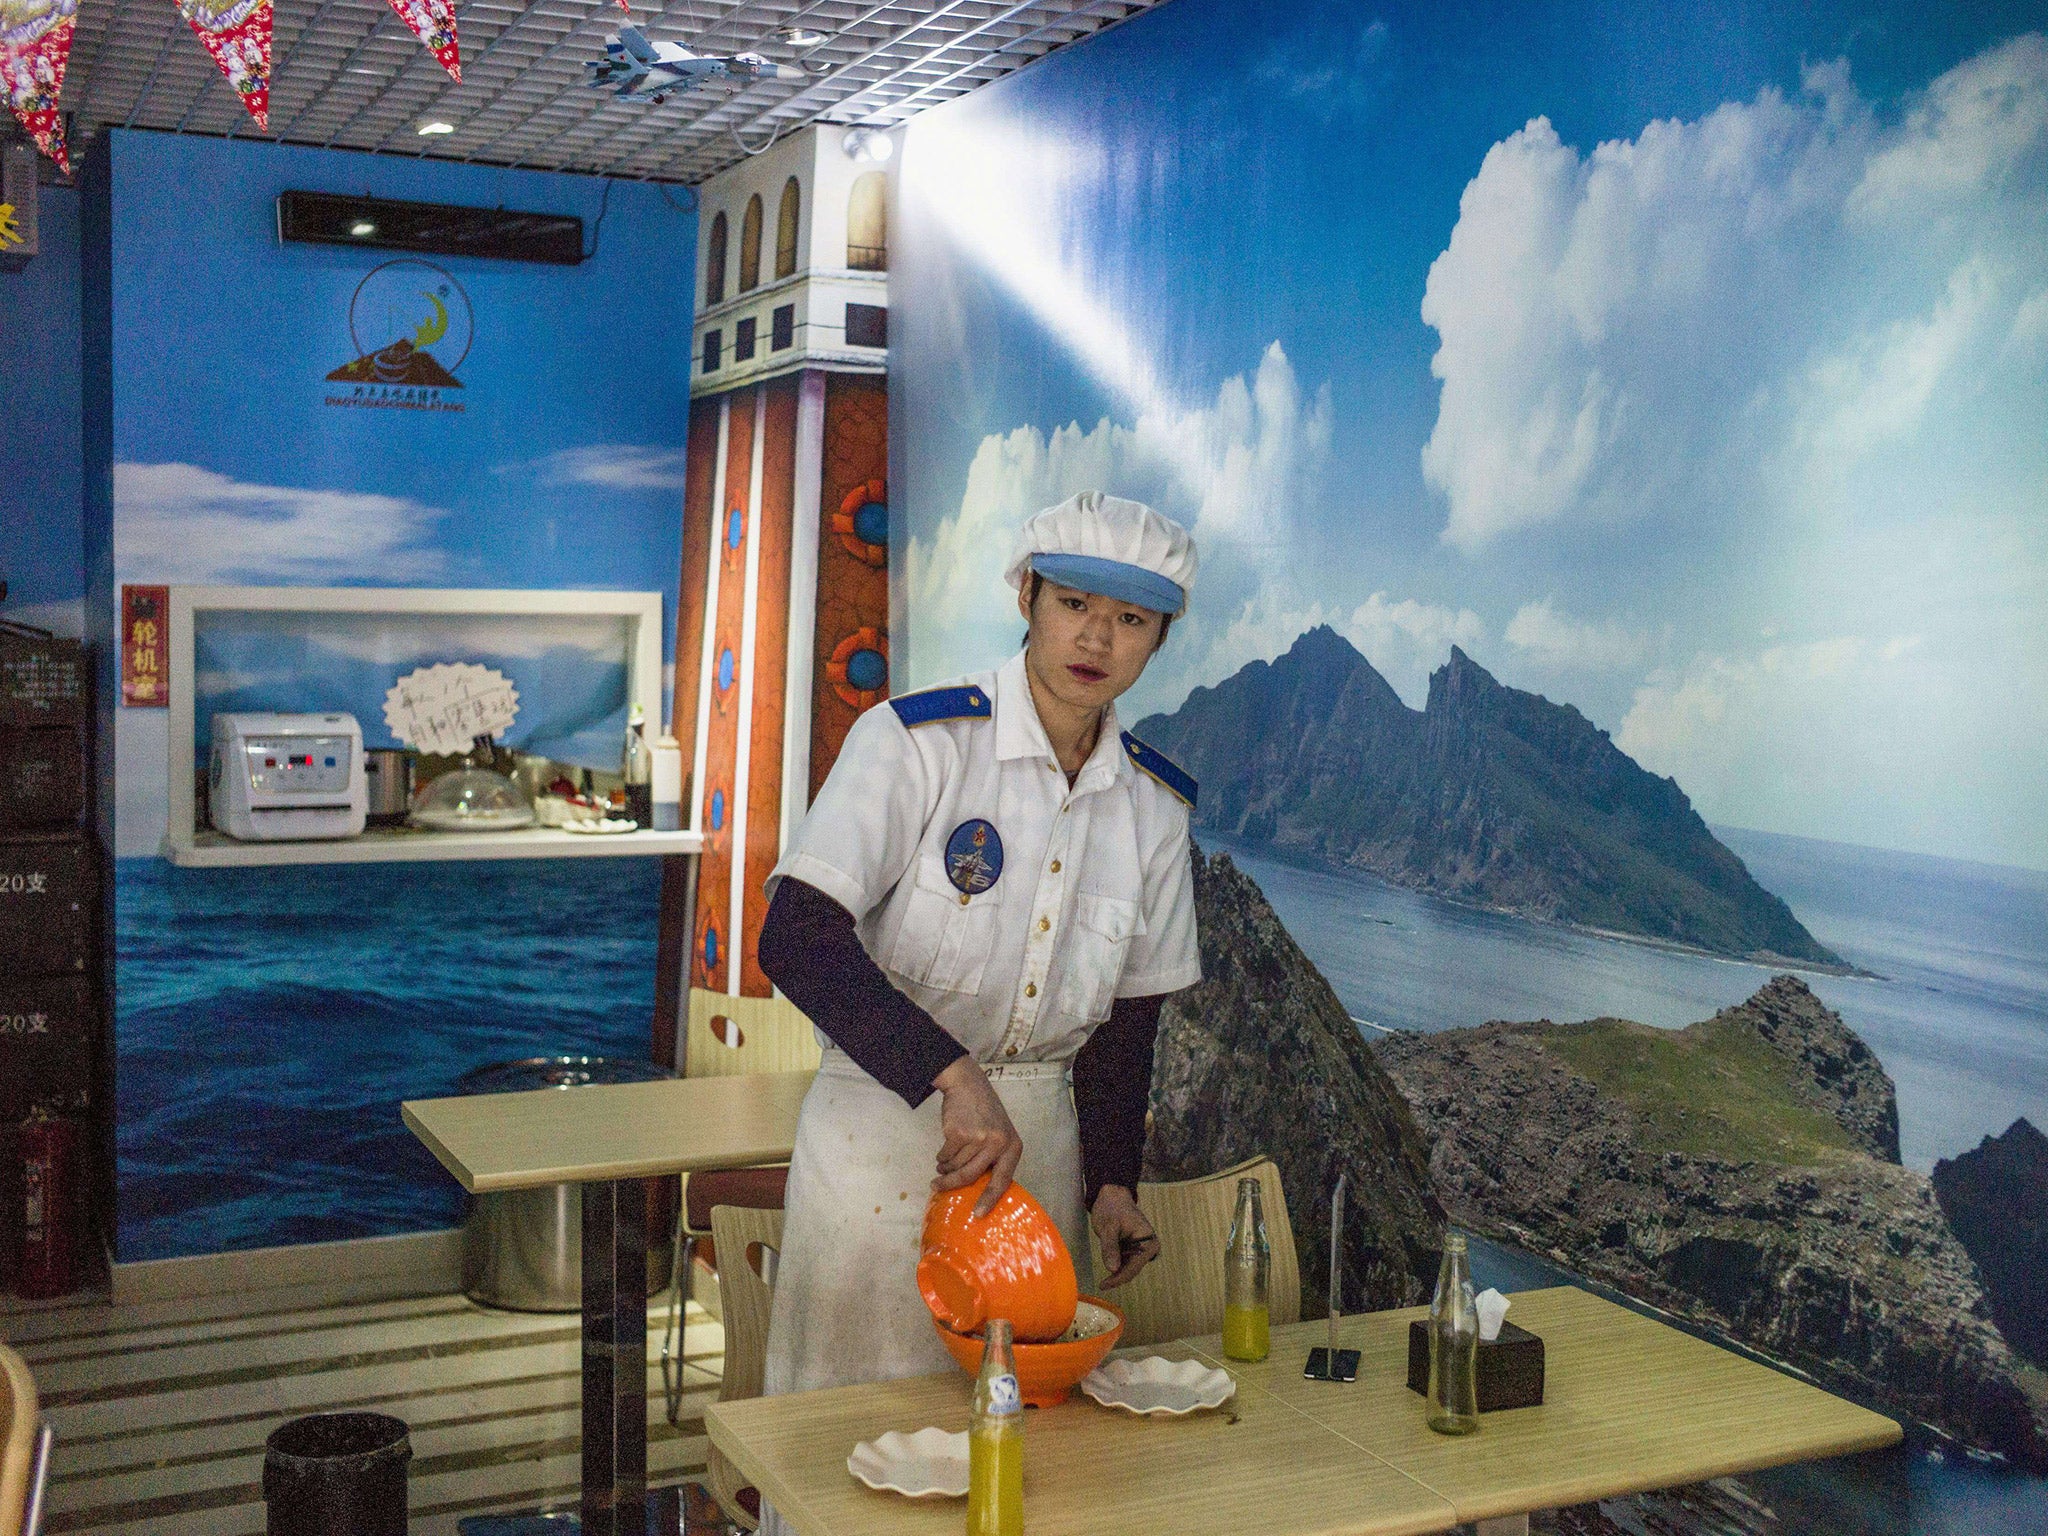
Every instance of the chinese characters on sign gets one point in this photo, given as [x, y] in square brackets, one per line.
[145, 647]
[442, 709]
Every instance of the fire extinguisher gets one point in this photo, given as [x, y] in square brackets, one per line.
[53, 1201]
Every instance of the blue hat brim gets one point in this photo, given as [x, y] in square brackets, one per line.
[1113, 578]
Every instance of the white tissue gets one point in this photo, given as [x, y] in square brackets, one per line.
[1492, 1308]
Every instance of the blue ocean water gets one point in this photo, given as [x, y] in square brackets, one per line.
[269, 1021]
[1956, 1009]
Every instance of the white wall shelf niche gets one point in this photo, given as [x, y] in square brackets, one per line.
[190, 846]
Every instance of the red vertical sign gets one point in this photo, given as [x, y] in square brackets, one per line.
[146, 647]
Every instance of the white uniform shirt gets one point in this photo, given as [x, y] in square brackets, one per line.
[1093, 897]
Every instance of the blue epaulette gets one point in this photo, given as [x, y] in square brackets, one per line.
[965, 703]
[1163, 768]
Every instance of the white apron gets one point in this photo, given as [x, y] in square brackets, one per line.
[846, 1307]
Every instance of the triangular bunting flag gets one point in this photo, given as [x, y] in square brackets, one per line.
[35, 45]
[433, 23]
[237, 34]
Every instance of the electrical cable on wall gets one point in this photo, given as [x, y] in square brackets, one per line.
[604, 206]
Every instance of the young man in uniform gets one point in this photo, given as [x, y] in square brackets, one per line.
[982, 912]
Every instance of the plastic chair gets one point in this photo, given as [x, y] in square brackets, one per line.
[24, 1450]
[726, 1036]
[1180, 1294]
[750, 1239]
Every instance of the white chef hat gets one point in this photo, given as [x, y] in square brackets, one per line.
[1104, 544]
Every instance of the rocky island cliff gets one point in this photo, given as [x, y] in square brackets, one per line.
[1741, 1173]
[1263, 1058]
[1996, 1198]
[1488, 795]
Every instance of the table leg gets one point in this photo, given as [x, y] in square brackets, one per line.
[1504, 1525]
[615, 1358]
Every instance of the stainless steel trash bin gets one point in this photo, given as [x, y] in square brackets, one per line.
[523, 1248]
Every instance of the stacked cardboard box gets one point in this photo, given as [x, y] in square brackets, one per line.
[52, 1034]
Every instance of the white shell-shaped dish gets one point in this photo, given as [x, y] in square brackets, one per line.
[928, 1464]
[1158, 1386]
[609, 827]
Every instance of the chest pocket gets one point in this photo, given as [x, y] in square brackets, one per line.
[1097, 942]
[943, 941]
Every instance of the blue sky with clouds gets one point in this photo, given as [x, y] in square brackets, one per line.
[563, 469]
[1689, 364]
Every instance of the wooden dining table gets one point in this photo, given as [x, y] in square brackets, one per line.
[608, 1138]
[1630, 1404]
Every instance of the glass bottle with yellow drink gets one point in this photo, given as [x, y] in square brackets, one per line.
[1247, 1272]
[995, 1441]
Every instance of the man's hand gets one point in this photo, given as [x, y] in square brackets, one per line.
[979, 1137]
[1127, 1239]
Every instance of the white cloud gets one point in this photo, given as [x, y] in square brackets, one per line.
[1556, 639]
[403, 640]
[1829, 737]
[1406, 640]
[2030, 324]
[616, 466]
[1723, 313]
[1877, 388]
[1237, 472]
[1974, 125]
[182, 524]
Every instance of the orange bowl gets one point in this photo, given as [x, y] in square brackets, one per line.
[1046, 1373]
[1011, 1263]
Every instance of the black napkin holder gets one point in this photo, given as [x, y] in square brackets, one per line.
[1510, 1367]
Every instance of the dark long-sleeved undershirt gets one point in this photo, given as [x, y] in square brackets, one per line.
[809, 949]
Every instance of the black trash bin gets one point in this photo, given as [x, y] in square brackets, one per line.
[337, 1474]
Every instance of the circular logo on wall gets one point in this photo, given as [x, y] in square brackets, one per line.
[412, 326]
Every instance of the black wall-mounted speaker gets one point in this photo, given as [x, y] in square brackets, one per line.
[435, 229]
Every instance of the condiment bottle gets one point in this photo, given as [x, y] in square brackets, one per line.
[636, 770]
[1454, 1345]
[995, 1441]
[668, 785]
[1247, 1272]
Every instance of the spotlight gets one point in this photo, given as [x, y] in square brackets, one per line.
[801, 37]
[435, 126]
[868, 144]
[362, 229]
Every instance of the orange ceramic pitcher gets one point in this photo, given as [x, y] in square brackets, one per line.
[1011, 1263]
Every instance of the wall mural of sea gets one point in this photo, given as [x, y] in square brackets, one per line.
[1955, 1003]
[270, 1022]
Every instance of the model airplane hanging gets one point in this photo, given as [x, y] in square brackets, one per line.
[639, 70]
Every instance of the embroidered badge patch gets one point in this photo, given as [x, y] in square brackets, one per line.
[974, 857]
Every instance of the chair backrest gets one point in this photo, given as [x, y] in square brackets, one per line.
[728, 1036]
[18, 1417]
[739, 1233]
[1180, 1293]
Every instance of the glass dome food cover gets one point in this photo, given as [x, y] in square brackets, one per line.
[471, 800]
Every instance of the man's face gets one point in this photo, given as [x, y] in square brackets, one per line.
[1086, 649]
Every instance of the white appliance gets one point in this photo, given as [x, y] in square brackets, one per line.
[279, 777]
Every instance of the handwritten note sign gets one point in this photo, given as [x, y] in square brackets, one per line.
[443, 708]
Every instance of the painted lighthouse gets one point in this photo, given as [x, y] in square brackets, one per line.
[782, 636]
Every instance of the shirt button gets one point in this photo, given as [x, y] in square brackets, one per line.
[963, 900]
[1031, 989]
[1055, 866]
[1011, 1051]
[1044, 923]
